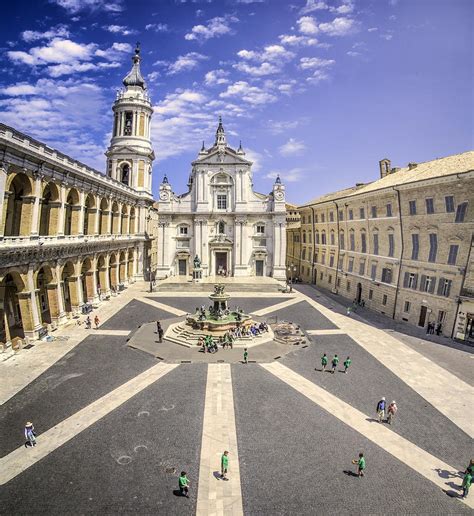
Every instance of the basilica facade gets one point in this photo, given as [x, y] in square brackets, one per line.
[221, 220]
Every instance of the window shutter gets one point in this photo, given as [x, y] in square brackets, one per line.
[432, 285]
[440, 286]
[405, 279]
[415, 281]
[422, 282]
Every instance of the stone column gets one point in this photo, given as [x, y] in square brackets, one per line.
[53, 302]
[139, 265]
[75, 292]
[91, 286]
[35, 218]
[62, 313]
[62, 211]
[80, 215]
[33, 323]
[104, 278]
[3, 198]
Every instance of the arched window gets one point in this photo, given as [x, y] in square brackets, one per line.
[304, 237]
[333, 241]
[125, 174]
[323, 237]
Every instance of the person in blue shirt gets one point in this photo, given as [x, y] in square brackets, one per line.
[381, 409]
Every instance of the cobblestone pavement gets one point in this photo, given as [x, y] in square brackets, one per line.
[290, 453]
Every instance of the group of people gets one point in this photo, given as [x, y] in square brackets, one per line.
[183, 481]
[208, 345]
[88, 322]
[334, 363]
[390, 409]
[433, 328]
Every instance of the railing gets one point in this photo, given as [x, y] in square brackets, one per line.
[467, 292]
[16, 241]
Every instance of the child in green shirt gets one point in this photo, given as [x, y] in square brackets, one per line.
[347, 363]
[466, 484]
[335, 361]
[246, 356]
[324, 362]
[183, 484]
[360, 465]
[224, 465]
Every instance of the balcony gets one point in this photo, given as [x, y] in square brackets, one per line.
[22, 241]
[467, 292]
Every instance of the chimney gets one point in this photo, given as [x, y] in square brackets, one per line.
[384, 166]
[411, 166]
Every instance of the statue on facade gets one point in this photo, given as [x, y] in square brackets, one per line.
[197, 262]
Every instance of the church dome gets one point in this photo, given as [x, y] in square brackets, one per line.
[134, 77]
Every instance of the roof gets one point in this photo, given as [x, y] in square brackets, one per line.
[134, 77]
[440, 167]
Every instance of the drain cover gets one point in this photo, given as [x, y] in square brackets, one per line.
[170, 470]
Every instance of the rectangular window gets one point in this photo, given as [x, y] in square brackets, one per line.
[376, 243]
[221, 202]
[429, 206]
[330, 279]
[323, 217]
[461, 212]
[350, 265]
[387, 275]
[323, 258]
[351, 214]
[323, 238]
[361, 267]
[415, 246]
[352, 240]
[371, 294]
[410, 280]
[374, 212]
[316, 237]
[331, 261]
[260, 229]
[427, 284]
[321, 276]
[384, 299]
[444, 287]
[339, 262]
[412, 205]
[433, 247]
[441, 316]
[338, 282]
[332, 238]
[389, 210]
[183, 230]
[449, 203]
[361, 213]
[341, 240]
[348, 285]
[341, 215]
[331, 216]
[391, 244]
[316, 218]
[406, 306]
[363, 243]
[453, 254]
[373, 271]
[303, 254]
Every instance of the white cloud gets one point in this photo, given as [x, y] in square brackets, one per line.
[255, 157]
[317, 77]
[157, 27]
[153, 76]
[258, 70]
[215, 28]
[307, 25]
[338, 26]
[386, 36]
[372, 29]
[311, 63]
[271, 60]
[287, 176]
[215, 77]
[185, 63]
[250, 94]
[68, 115]
[293, 39]
[55, 32]
[282, 126]
[57, 51]
[75, 6]
[314, 5]
[119, 29]
[292, 148]
[115, 52]
[352, 53]
[74, 67]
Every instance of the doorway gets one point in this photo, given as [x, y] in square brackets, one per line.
[221, 263]
[259, 267]
[422, 319]
[182, 267]
[359, 293]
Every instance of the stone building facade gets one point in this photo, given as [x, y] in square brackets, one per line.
[69, 234]
[401, 244]
[221, 219]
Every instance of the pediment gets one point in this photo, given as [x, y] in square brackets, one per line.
[217, 157]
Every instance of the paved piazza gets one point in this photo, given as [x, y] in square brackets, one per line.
[119, 415]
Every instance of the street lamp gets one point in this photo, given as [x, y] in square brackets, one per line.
[291, 271]
[149, 277]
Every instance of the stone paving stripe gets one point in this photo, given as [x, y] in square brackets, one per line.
[162, 306]
[273, 295]
[118, 333]
[402, 449]
[445, 391]
[326, 332]
[21, 459]
[215, 496]
[279, 306]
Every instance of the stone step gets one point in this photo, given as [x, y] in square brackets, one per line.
[208, 287]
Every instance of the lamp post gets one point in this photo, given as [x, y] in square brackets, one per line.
[149, 277]
[291, 271]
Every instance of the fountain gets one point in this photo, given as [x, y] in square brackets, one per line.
[218, 318]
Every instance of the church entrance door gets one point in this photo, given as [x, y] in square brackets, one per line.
[259, 267]
[182, 267]
[221, 263]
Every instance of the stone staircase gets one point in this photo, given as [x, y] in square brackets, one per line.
[207, 287]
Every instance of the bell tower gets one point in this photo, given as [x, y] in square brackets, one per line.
[130, 154]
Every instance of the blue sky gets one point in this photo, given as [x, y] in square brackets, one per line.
[318, 91]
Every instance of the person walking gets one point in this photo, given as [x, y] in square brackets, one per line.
[391, 411]
[184, 484]
[96, 322]
[347, 363]
[159, 330]
[88, 323]
[334, 363]
[360, 465]
[224, 465]
[246, 356]
[466, 483]
[30, 434]
[381, 410]
[324, 362]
